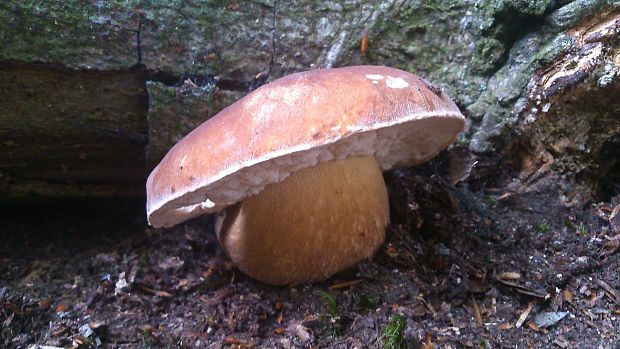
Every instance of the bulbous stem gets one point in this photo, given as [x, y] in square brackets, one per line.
[316, 222]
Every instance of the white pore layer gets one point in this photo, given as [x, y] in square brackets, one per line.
[395, 145]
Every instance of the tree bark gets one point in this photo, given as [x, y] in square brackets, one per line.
[92, 94]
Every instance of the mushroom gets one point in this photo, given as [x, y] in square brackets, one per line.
[296, 167]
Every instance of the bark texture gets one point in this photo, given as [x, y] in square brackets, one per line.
[92, 94]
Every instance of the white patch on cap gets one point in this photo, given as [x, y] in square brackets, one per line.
[396, 82]
[374, 77]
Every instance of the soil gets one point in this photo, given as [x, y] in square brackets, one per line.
[467, 265]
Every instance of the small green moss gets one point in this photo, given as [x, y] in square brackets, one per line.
[582, 230]
[392, 335]
[365, 302]
[490, 200]
[144, 259]
[331, 320]
[542, 228]
[148, 341]
[487, 56]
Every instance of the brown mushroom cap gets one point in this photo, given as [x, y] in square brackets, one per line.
[296, 122]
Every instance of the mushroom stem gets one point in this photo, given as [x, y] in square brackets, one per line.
[316, 222]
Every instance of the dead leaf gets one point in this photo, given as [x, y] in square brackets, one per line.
[611, 245]
[44, 304]
[505, 326]
[61, 307]
[568, 296]
[391, 251]
[428, 342]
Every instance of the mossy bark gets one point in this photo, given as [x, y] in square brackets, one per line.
[94, 93]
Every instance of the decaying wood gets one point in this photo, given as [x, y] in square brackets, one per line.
[71, 133]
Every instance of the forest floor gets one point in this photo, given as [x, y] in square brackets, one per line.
[464, 266]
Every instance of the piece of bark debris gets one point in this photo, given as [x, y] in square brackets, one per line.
[614, 219]
[548, 319]
[523, 289]
[301, 332]
[561, 342]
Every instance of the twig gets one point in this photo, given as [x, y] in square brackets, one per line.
[611, 292]
[345, 284]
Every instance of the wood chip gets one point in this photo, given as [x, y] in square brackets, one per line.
[524, 315]
[509, 275]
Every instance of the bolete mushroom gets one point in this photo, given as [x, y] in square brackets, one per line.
[297, 167]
